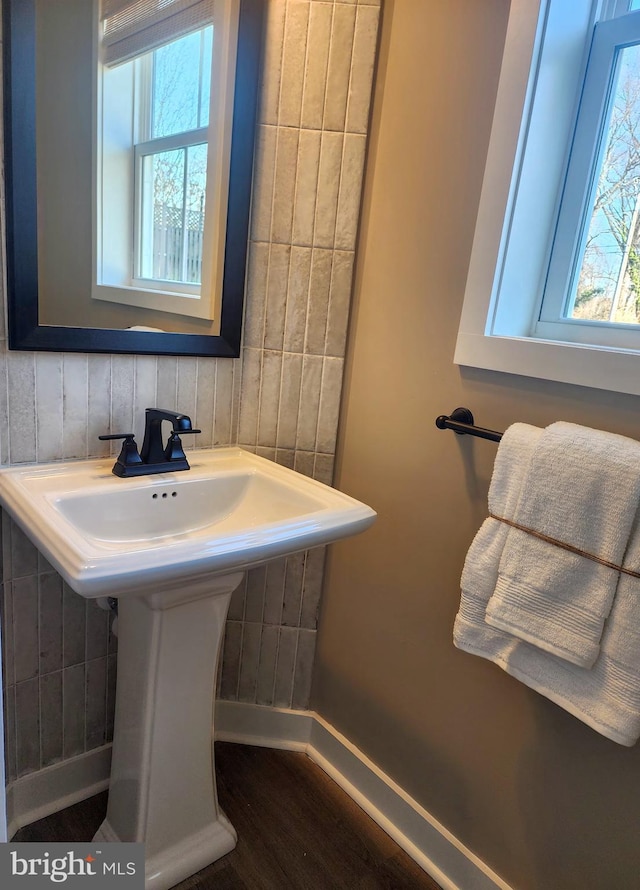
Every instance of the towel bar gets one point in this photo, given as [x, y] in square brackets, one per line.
[461, 422]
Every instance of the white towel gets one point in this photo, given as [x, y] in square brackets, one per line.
[582, 487]
[605, 697]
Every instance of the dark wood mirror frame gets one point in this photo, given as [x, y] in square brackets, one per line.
[24, 330]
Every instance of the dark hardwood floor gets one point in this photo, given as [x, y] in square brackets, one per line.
[296, 829]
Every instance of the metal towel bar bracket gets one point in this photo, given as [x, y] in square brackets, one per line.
[461, 422]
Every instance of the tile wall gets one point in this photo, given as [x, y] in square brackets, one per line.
[280, 398]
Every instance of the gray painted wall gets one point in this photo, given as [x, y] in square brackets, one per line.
[539, 796]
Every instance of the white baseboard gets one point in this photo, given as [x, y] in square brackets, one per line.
[56, 787]
[266, 727]
[429, 843]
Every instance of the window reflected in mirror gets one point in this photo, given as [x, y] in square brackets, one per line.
[144, 118]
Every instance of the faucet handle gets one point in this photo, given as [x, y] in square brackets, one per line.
[128, 456]
[174, 450]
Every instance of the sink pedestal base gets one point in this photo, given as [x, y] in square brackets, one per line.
[162, 790]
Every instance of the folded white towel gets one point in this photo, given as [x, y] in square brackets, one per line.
[606, 697]
[582, 487]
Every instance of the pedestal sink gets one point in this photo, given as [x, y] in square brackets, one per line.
[172, 547]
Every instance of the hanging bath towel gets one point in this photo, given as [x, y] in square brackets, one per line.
[581, 488]
[607, 696]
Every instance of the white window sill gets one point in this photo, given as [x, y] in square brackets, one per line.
[599, 367]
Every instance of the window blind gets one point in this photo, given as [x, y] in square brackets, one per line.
[133, 27]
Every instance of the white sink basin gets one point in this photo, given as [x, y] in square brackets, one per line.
[231, 510]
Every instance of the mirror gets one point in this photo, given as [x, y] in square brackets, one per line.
[34, 324]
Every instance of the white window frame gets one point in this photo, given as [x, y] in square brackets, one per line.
[540, 83]
[142, 150]
[577, 202]
[115, 183]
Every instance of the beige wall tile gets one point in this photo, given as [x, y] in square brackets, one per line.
[263, 182]
[285, 184]
[99, 403]
[269, 453]
[207, 383]
[304, 463]
[249, 661]
[122, 377]
[293, 590]
[276, 297]
[289, 400]
[51, 732]
[8, 675]
[267, 665]
[24, 556]
[272, 61]
[254, 594]
[362, 68]
[95, 727]
[269, 397]
[328, 189]
[9, 703]
[350, 191]
[312, 587]
[319, 289]
[97, 631]
[22, 407]
[75, 396]
[323, 468]
[339, 302]
[27, 726]
[186, 390]
[250, 396]
[73, 710]
[285, 457]
[274, 592]
[255, 297]
[231, 651]
[145, 391]
[49, 406]
[293, 62]
[283, 690]
[74, 620]
[50, 622]
[342, 31]
[25, 628]
[309, 403]
[315, 79]
[167, 384]
[297, 298]
[223, 431]
[303, 670]
[308, 165]
[329, 404]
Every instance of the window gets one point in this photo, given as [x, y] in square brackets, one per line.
[171, 162]
[165, 81]
[554, 281]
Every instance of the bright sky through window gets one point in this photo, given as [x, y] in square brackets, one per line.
[173, 165]
[608, 286]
